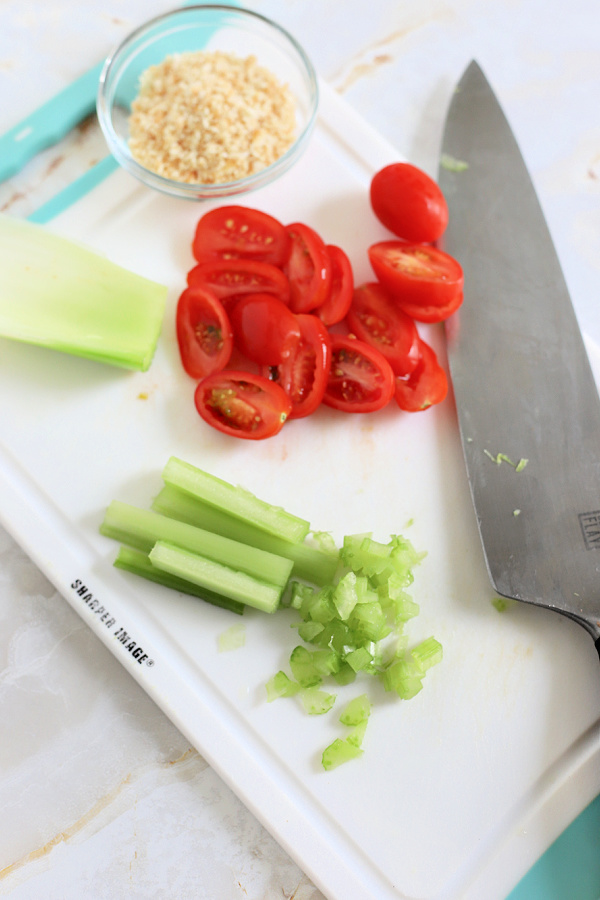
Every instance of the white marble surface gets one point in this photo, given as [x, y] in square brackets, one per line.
[101, 795]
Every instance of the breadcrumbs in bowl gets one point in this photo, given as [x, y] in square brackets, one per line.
[207, 101]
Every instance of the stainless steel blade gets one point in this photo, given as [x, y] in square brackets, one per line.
[521, 376]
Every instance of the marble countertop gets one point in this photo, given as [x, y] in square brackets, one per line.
[101, 795]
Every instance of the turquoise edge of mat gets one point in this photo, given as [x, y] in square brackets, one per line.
[570, 868]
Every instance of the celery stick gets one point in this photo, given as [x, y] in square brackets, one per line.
[58, 294]
[141, 528]
[216, 577]
[310, 563]
[138, 563]
[236, 501]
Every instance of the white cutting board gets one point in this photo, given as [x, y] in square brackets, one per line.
[460, 789]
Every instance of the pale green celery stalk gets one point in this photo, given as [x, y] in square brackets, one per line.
[58, 294]
[138, 563]
[310, 563]
[234, 500]
[141, 528]
[215, 576]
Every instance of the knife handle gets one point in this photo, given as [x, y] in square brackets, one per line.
[48, 123]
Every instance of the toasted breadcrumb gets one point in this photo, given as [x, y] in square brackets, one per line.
[210, 117]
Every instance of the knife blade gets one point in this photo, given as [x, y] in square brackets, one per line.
[527, 403]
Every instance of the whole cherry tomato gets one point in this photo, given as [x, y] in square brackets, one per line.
[264, 328]
[308, 268]
[242, 404]
[237, 232]
[360, 378]
[417, 275]
[203, 332]
[304, 371]
[337, 304]
[426, 385]
[376, 319]
[409, 203]
[229, 278]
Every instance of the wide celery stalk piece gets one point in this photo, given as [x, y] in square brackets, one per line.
[236, 501]
[59, 294]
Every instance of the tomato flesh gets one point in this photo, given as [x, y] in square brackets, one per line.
[204, 333]
[409, 203]
[376, 319]
[360, 378]
[238, 232]
[242, 404]
[229, 278]
[264, 328]
[417, 275]
[337, 304]
[303, 373]
[426, 385]
[308, 269]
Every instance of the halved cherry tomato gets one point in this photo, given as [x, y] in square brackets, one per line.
[229, 278]
[203, 332]
[360, 378]
[337, 304]
[426, 385]
[408, 202]
[433, 313]
[308, 268]
[417, 275]
[237, 232]
[376, 319]
[303, 373]
[242, 404]
[264, 328]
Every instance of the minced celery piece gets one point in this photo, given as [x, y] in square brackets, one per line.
[313, 564]
[356, 710]
[357, 734]
[236, 501]
[427, 654]
[232, 638]
[215, 576]
[280, 685]
[141, 528]
[359, 659]
[308, 631]
[404, 677]
[369, 622]
[345, 596]
[503, 603]
[339, 752]
[326, 662]
[59, 294]
[315, 701]
[138, 563]
[303, 668]
[346, 674]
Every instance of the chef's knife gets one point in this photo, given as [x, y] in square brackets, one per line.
[528, 406]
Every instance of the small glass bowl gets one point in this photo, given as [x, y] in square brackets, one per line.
[213, 28]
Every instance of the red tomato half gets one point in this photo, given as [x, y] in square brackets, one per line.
[433, 313]
[409, 203]
[377, 320]
[337, 304]
[236, 277]
[242, 404]
[426, 385]
[264, 328]
[303, 373]
[417, 275]
[360, 378]
[203, 333]
[308, 269]
[237, 232]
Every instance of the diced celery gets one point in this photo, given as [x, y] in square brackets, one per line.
[215, 576]
[310, 563]
[345, 596]
[59, 294]
[308, 631]
[138, 563]
[326, 662]
[232, 638]
[359, 659]
[141, 528]
[356, 710]
[403, 677]
[427, 654]
[280, 685]
[236, 501]
[369, 622]
[315, 701]
[357, 734]
[346, 674]
[303, 668]
[339, 752]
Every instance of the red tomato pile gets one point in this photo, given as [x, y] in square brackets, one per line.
[271, 324]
